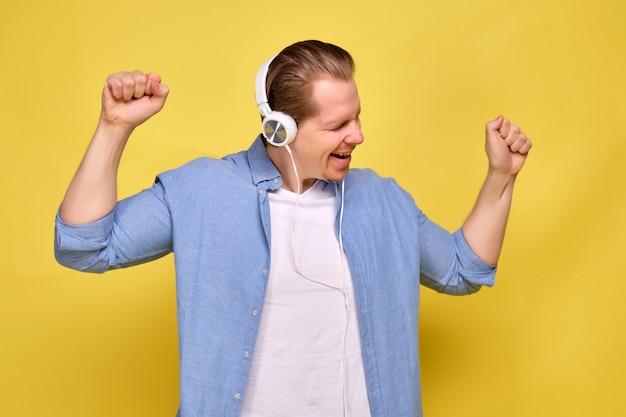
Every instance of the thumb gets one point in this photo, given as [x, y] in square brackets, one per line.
[494, 126]
[159, 94]
[497, 130]
[159, 91]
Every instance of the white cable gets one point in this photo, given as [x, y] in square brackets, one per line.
[347, 305]
[342, 290]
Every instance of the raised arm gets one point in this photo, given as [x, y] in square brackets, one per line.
[507, 148]
[128, 99]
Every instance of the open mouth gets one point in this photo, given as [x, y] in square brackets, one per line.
[341, 155]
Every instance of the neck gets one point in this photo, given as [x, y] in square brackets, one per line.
[287, 166]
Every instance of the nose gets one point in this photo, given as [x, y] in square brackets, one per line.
[355, 135]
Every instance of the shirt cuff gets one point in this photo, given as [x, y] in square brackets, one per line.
[473, 269]
[84, 236]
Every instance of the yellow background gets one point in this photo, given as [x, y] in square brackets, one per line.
[547, 340]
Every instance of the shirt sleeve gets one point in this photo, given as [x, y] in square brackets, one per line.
[447, 263]
[138, 230]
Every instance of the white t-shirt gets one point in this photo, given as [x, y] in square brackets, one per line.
[297, 364]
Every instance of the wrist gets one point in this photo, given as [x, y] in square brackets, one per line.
[498, 174]
[499, 183]
[113, 131]
[109, 141]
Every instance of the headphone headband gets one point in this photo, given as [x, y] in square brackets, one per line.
[260, 88]
[279, 129]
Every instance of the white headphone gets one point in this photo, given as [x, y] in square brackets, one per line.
[278, 128]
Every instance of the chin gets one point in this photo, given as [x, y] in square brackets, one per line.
[337, 176]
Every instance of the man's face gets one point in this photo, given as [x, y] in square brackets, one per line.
[324, 142]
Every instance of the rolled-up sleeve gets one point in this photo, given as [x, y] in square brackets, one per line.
[138, 230]
[80, 246]
[448, 264]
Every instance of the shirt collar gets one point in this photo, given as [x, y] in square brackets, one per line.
[261, 166]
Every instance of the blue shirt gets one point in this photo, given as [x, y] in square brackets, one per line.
[214, 215]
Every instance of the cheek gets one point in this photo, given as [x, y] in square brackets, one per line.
[316, 148]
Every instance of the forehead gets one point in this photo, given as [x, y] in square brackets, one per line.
[335, 98]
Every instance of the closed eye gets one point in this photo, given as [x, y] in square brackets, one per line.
[357, 119]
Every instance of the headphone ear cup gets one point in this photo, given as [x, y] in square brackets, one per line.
[279, 129]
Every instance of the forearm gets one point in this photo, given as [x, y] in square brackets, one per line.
[128, 100]
[92, 193]
[485, 227]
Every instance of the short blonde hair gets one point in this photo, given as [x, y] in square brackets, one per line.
[292, 73]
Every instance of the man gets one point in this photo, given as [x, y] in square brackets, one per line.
[297, 278]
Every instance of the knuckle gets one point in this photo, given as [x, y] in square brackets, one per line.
[140, 76]
[127, 80]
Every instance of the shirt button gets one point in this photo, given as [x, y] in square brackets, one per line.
[255, 313]
[262, 192]
[237, 395]
[275, 180]
[265, 271]
[246, 354]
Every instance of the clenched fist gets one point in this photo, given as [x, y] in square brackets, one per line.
[131, 98]
[506, 145]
